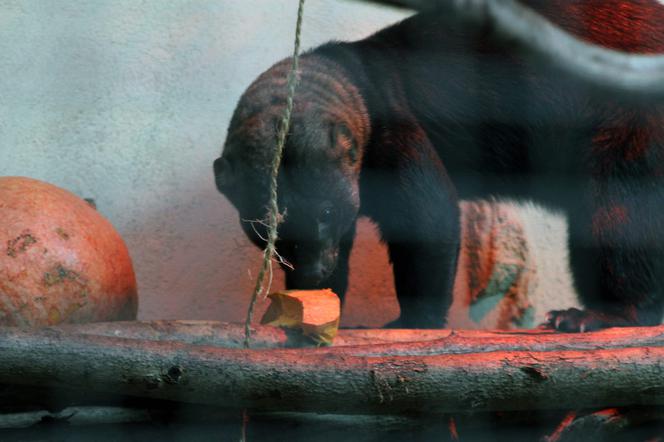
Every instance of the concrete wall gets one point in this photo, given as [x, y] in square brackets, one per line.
[127, 102]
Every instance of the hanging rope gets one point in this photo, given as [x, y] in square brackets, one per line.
[273, 208]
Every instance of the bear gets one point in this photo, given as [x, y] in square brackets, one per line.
[401, 125]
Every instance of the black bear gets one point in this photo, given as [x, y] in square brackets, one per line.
[400, 125]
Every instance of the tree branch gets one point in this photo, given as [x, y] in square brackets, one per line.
[337, 380]
[373, 342]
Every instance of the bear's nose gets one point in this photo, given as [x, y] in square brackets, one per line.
[310, 276]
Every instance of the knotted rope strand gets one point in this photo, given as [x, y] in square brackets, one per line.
[273, 208]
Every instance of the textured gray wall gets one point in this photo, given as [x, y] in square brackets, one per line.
[128, 102]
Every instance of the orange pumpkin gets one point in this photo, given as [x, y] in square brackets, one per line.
[60, 260]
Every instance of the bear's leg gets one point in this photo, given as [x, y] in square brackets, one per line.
[415, 206]
[616, 255]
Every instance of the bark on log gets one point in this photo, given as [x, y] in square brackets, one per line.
[334, 379]
[231, 335]
[381, 341]
[105, 414]
[82, 423]
[76, 416]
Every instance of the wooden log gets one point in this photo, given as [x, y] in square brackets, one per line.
[213, 333]
[85, 415]
[580, 425]
[293, 427]
[105, 414]
[334, 379]
[609, 424]
[380, 341]
[231, 335]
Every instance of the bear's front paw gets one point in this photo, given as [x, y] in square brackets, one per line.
[574, 320]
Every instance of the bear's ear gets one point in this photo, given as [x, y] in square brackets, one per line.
[223, 174]
[343, 138]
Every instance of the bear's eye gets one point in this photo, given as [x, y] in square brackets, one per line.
[326, 215]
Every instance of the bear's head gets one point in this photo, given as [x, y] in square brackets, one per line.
[318, 179]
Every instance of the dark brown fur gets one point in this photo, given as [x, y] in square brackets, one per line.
[400, 125]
